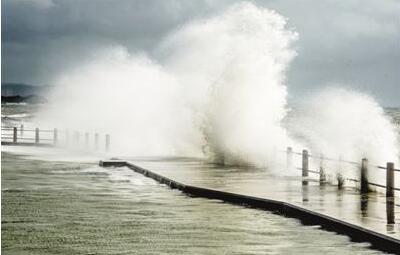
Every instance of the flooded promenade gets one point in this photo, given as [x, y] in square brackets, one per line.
[54, 207]
[347, 204]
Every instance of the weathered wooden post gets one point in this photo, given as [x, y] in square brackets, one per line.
[107, 142]
[322, 175]
[22, 130]
[364, 176]
[304, 166]
[37, 135]
[55, 136]
[96, 141]
[289, 158]
[14, 134]
[86, 139]
[389, 179]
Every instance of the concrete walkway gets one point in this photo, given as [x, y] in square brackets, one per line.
[348, 205]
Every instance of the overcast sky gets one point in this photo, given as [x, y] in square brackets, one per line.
[355, 43]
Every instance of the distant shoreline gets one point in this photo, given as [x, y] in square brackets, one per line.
[31, 99]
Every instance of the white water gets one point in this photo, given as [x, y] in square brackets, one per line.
[347, 125]
[216, 88]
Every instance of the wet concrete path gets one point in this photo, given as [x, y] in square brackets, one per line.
[371, 211]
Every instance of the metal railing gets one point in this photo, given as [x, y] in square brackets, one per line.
[363, 165]
[363, 180]
[55, 137]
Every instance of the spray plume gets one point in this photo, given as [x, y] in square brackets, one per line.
[215, 88]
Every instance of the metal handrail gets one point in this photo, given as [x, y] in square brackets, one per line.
[349, 179]
[373, 184]
[15, 134]
[340, 160]
[30, 130]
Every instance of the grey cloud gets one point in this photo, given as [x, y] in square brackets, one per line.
[40, 38]
[354, 42]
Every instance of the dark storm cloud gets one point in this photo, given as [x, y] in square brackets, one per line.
[355, 43]
[40, 37]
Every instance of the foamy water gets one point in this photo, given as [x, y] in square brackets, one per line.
[216, 88]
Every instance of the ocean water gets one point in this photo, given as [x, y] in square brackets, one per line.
[18, 113]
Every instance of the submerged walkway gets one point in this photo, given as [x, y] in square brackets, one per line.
[346, 205]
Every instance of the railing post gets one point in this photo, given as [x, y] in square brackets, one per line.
[66, 137]
[55, 136]
[390, 219]
[289, 158]
[14, 134]
[340, 180]
[86, 139]
[390, 179]
[76, 138]
[37, 135]
[22, 130]
[322, 175]
[304, 166]
[96, 141]
[107, 142]
[364, 176]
